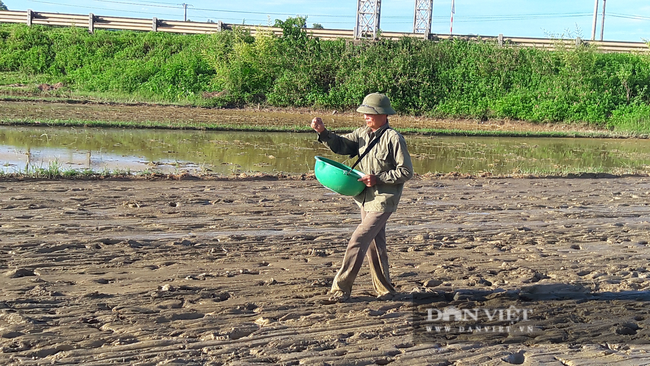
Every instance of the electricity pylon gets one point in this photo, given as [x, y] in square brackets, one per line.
[423, 16]
[368, 14]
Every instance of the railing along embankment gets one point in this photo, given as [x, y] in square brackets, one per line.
[93, 21]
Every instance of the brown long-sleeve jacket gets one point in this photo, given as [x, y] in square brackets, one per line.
[389, 160]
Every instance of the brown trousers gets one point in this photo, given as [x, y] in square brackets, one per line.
[369, 239]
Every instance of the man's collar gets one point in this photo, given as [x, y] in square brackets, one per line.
[379, 130]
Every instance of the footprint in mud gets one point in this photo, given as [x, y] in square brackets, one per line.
[169, 304]
[17, 346]
[9, 333]
[627, 329]
[18, 198]
[316, 252]
[41, 291]
[515, 358]
[20, 272]
[78, 198]
[242, 330]
[183, 242]
[103, 281]
[96, 295]
[221, 296]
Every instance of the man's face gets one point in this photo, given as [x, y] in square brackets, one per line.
[375, 121]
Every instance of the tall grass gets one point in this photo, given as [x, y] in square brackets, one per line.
[454, 78]
[154, 66]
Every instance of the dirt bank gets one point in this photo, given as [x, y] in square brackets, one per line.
[236, 272]
[11, 110]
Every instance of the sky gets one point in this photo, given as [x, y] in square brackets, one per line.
[626, 20]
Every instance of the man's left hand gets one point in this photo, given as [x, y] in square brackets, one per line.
[369, 180]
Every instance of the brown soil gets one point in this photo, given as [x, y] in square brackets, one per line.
[87, 111]
[236, 272]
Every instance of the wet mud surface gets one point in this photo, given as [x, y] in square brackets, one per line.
[236, 272]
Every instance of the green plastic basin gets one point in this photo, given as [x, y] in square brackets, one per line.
[338, 177]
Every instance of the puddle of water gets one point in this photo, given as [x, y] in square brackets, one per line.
[234, 152]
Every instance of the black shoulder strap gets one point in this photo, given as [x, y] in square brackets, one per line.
[370, 146]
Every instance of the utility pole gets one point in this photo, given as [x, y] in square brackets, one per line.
[451, 23]
[602, 26]
[593, 28]
[185, 11]
[423, 17]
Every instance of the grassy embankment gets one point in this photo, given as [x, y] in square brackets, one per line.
[449, 79]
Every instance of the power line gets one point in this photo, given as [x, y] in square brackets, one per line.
[395, 19]
[481, 18]
[163, 5]
[154, 2]
[234, 20]
[485, 17]
[515, 18]
[268, 13]
[138, 4]
[626, 16]
[94, 8]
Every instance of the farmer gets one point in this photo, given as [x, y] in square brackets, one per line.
[386, 167]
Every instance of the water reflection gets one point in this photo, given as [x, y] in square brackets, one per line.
[232, 152]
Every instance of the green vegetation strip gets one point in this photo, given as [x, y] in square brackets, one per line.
[445, 79]
[55, 171]
[297, 128]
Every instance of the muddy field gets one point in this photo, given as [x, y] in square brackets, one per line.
[235, 272]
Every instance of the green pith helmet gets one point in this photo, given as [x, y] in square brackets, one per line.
[376, 103]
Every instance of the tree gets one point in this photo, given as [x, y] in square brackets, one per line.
[317, 26]
[293, 29]
[3, 6]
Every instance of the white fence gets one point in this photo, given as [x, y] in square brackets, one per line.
[92, 22]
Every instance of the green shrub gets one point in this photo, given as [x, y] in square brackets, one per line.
[453, 78]
[635, 117]
[25, 49]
